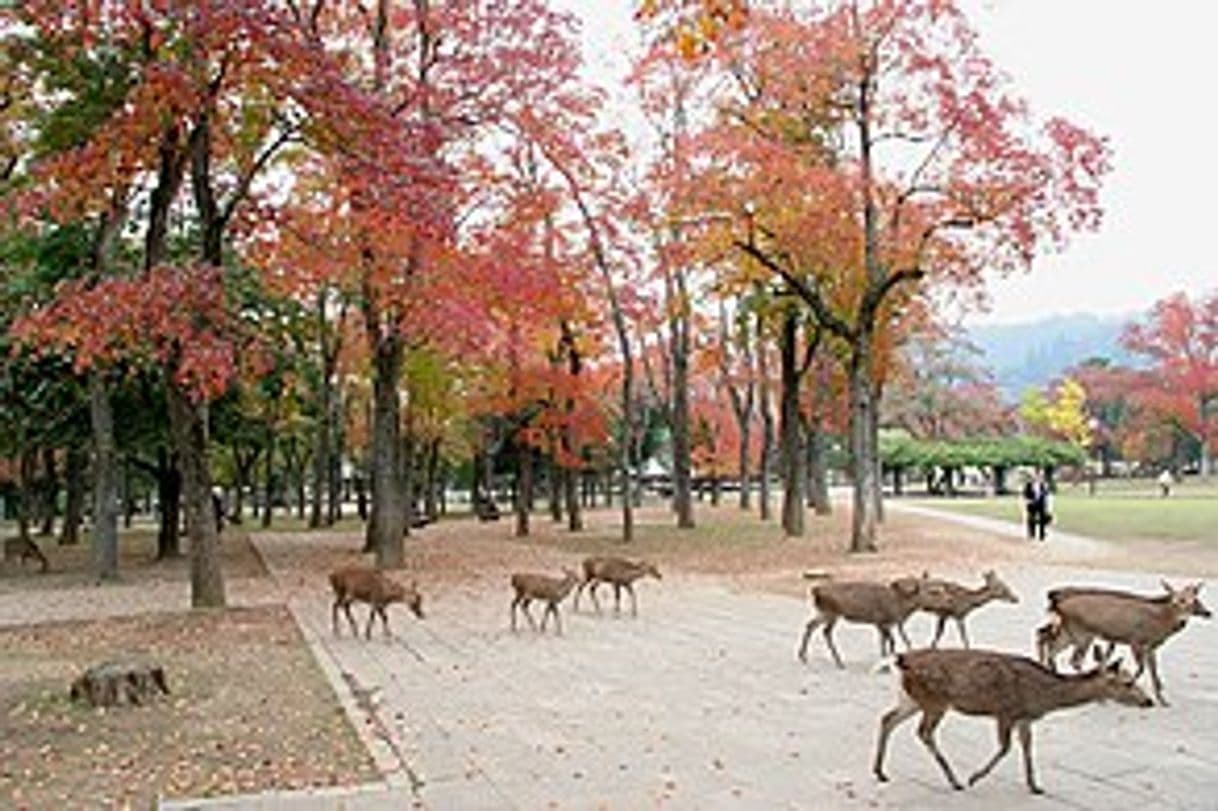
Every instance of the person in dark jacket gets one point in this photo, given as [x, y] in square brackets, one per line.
[1036, 505]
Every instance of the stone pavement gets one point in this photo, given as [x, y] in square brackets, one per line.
[700, 703]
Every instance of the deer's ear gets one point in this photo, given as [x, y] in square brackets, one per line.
[1115, 667]
[1097, 653]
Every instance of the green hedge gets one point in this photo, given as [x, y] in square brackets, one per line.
[906, 452]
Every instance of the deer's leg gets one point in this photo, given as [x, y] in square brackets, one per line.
[887, 644]
[553, 608]
[617, 598]
[940, 624]
[829, 639]
[515, 603]
[524, 606]
[1025, 741]
[931, 716]
[351, 618]
[592, 591]
[904, 637]
[579, 590]
[802, 653]
[334, 616]
[892, 719]
[383, 610]
[963, 633]
[1154, 676]
[634, 601]
[371, 620]
[1082, 642]
[1139, 656]
[1004, 746]
[545, 615]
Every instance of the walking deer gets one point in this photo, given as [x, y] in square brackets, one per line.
[1013, 690]
[23, 548]
[1081, 615]
[619, 572]
[883, 605]
[366, 585]
[550, 590]
[946, 599]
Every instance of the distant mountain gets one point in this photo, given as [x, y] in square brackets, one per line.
[1033, 353]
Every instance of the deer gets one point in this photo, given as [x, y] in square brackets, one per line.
[946, 599]
[621, 573]
[1080, 615]
[364, 584]
[1014, 690]
[883, 605]
[23, 548]
[552, 590]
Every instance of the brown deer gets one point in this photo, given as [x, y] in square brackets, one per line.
[367, 585]
[1013, 690]
[621, 573]
[946, 599]
[24, 548]
[1080, 615]
[551, 590]
[883, 605]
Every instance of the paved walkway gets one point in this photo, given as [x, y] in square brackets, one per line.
[700, 703]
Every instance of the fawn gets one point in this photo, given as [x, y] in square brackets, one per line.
[550, 590]
[621, 573]
[366, 585]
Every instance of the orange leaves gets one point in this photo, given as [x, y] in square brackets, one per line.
[172, 315]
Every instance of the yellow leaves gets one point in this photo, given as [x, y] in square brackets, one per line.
[1064, 415]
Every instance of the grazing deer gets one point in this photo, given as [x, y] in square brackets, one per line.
[24, 548]
[366, 585]
[1079, 616]
[883, 605]
[551, 590]
[618, 571]
[1013, 690]
[946, 599]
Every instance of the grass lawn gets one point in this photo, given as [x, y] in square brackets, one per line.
[1119, 511]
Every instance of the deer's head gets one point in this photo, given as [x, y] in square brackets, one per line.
[650, 569]
[1186, 600]
[999, 589]
[395, 592]
[1119, 686]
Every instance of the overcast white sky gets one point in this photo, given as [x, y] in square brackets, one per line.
[1143, 74]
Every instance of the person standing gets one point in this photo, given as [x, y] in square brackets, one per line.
[1035, 504]
[1165, 482]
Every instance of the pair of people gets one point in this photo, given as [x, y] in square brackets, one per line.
[1037, 506]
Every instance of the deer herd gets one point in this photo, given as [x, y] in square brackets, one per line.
[1012, 689]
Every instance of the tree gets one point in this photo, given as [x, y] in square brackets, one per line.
[1180, 337]
[925, 170]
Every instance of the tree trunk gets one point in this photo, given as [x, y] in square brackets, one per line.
[524, 489]
[790, 434]
[385, 529]
[818, 471]
[409, 513]
[188, 425]
[682, 473]
[268, 474]
[554, 482]
[105, 480]
[49, 500]
[862, 462]
[169, 494]
[877, 480]
[767, 430]
[74, 482]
